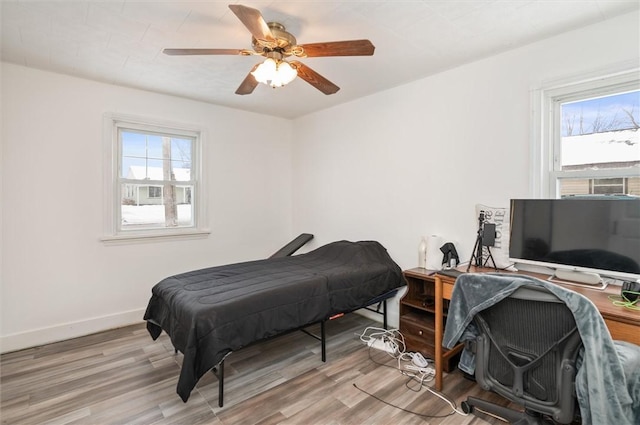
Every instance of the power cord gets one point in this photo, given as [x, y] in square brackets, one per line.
[389, 340]
[400, 408]
[628, 299]
[410, 364]
[418, 367]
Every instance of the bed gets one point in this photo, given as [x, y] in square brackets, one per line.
[212, 312]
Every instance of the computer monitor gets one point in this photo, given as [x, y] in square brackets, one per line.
[599, 235]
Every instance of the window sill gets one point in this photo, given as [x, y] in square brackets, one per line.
[148, 237]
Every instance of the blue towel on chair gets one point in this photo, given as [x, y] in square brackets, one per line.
[608, 378]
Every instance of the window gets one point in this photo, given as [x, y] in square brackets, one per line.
[154, 186]
[155, 191]
[608, 187]
[590, 138]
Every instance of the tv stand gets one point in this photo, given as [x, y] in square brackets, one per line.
[574, 277]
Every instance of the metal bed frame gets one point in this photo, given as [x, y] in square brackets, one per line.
[381, 301]
[288, 250]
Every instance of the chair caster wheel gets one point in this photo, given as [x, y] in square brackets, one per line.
[466, 407]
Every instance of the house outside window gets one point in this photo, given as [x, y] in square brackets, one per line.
[591, 136]
[155, 183]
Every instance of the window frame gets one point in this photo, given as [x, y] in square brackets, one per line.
[112, 232]
[546, 129]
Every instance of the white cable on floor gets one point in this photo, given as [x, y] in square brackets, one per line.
[393, 340]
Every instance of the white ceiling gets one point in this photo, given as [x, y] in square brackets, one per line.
[121, 41]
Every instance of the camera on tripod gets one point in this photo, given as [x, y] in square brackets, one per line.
[486, 239]
[487, 230]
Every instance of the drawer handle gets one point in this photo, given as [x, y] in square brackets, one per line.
[420, 332]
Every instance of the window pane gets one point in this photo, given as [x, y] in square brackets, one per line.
[601, 133]
[607, 186]
[570, 187]
[180, 173]
[145, 156]
[181, 152]
[612, 186]
[148, 207]
[608, 190]
[609, 182]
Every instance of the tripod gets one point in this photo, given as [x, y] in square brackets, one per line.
[477, 248]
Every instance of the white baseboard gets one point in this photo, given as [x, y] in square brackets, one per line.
[392, 317]
[47, 335]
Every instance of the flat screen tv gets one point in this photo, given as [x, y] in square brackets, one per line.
[591, 236]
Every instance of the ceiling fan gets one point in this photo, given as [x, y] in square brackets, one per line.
[271, 40]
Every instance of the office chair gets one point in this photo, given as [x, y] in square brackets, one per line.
[526, 352]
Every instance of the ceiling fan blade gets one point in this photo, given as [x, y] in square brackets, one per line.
[313, 78]
[339, 48]
[183, 52]
[253, 20]
[249, 83]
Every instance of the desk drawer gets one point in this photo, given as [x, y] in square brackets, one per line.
[418, 337]
[419, 332]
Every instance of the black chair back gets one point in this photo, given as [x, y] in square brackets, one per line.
[526, 352]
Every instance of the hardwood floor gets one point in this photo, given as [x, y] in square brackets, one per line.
[122, 376]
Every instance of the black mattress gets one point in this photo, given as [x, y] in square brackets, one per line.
[211, 312]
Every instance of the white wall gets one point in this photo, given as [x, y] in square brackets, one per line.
[415, 160]
[397, 165]
[58, 279]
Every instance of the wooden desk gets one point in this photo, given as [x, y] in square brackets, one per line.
[423, 310]
[444, 289]
[422, 314]
[623, 323]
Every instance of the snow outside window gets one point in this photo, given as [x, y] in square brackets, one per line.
[591, 138]
[154, 182]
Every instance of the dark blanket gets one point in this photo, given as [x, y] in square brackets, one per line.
[211, 312]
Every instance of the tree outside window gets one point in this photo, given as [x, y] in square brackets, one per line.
[593, 131]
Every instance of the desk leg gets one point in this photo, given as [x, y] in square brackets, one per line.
[438, 331]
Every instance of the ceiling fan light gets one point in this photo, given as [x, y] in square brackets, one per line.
[275, 73]
[265, 71]
[286, 72]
